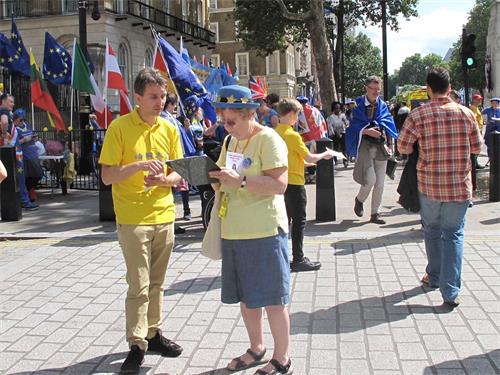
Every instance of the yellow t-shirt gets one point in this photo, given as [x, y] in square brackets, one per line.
[249, 215]
[479, 116]
[129, 139]
[297, 150]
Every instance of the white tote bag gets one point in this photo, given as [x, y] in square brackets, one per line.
[211, 247]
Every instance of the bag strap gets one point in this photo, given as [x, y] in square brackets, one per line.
[227, 140]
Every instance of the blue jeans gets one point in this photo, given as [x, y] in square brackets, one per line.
[444, 243]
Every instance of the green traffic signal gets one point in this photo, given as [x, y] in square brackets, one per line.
[470, 62]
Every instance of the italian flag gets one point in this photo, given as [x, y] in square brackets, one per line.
[82, 79]
[40, 96]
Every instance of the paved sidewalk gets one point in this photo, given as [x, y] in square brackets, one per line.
[62, 299]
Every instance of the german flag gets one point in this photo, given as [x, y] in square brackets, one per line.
[40, 96]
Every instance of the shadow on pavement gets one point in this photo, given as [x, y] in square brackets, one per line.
[491, 221]
[350, 247]
[79, 241]
[346, 317]
[484, 364]
[218, 371]
[198, 285]
[103, 364]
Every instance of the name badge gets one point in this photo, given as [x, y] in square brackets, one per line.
[235, 161]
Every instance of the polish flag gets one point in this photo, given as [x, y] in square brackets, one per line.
[114, 80]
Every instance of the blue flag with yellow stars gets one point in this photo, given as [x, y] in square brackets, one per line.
[9, 58]
[56, 62]
[189, 87]
[17, 43]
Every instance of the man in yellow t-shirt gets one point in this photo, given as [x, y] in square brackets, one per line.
[133, 158]
[295, 194]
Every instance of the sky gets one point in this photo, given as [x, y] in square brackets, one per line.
[438, 26]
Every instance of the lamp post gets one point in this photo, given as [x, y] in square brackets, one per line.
[384, 49]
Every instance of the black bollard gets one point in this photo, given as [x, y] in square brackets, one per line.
[325, 184]
[106, 209]
[494, 166]
[11, 200]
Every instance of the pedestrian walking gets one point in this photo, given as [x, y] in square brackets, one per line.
[295, 194]
[492, 121]
[254, 226]
[444, 179]
[366, 138]
[133, 156]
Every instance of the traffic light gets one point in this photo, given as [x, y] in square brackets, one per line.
[468, 51]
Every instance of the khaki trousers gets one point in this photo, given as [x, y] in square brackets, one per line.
[146, 249]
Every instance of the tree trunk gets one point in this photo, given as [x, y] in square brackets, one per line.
[322, 55]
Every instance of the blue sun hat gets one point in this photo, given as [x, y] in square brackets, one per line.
[20, 113]
[235, 97]
[302, 99]
[495, 99]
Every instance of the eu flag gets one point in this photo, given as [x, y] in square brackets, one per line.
[190, 89]
[17, 43]
[56, 62]
[10, 58]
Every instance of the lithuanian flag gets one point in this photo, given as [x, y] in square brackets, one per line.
[40, 96]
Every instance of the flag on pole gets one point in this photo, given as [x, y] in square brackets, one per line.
[160, 64]
[82, 79]
[204, 60]
[255, 86]
[40, 96]
[17, 43]
[228, 69]
[114, 79]
[57, 65]
[184, 52]
[11, 59]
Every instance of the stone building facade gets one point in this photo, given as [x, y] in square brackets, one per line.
[287, 73]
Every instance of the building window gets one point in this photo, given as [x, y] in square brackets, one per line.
[148, 58]
[214, 27]
[242, 63]
[273, 63]
[167, 6]
[290, 63]
[215, 61]
[213, 4]
[199, 13]
[123, 62]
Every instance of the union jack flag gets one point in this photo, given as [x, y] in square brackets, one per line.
[257, 88]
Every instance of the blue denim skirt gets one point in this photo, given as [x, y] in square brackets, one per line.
[256, 272]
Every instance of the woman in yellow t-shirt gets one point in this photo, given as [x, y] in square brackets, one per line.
[255, 265]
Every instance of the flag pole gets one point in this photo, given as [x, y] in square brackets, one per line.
[32, 108]
[106, 86]
[155, 34]
[72, 90]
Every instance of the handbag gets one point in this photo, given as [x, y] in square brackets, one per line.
[390, 169]
[211, 246]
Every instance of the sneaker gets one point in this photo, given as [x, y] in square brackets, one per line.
[31, 207]
[304, 265]
[454, 303]
[375, 218]
[133, 362]
[179, 230]
[187, 217]
[164, 346]
[358, 207]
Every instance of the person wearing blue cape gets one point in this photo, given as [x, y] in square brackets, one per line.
[366, 138]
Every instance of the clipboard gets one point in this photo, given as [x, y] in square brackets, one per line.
[195, 169]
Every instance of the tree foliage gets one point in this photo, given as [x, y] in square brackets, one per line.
[362, 59]
[477, 24]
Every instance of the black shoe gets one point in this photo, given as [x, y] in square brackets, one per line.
[453, 303]
[179, 230]
[133, 362]
[187, 217]
[375, 218]
[304, 265]
[358, 207]
[345, 162]
[164, 346]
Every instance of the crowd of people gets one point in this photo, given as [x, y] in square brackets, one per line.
[267, 147]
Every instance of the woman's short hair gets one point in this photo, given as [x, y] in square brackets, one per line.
[373, 79]
[148, 76]
[171, 99]
[287, 105]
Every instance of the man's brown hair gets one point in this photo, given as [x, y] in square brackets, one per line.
[148, 76]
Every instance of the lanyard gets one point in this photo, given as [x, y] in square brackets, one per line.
[246, 144]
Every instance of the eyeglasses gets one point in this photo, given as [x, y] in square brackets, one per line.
[374, 88]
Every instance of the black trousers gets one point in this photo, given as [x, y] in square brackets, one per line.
[296, 201]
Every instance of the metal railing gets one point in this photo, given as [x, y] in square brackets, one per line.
[146, 12]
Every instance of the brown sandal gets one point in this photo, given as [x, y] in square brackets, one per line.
[242, 365]
[279, 369]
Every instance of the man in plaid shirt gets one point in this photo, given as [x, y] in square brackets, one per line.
[447, 134]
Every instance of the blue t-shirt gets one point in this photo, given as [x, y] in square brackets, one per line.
[266, 119]
[30, 151]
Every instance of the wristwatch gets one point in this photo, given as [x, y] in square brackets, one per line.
[244, 182]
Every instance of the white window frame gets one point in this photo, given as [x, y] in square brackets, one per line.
[167, 6]
[276, 55]
[123, 59]
[216, 24]
[216, 57]
[212, 4]
[237, 62]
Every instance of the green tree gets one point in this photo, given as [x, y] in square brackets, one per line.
[266, 26]
[477, 24]
[413, 70]
[362, 59]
